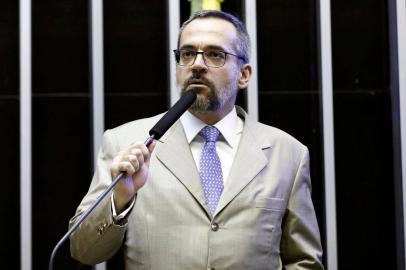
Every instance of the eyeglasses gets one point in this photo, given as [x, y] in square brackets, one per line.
[212, 58]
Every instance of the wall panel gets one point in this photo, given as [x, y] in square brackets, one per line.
[363, 138]
[9, 135]
[136, 68]
[10, 167]
[61, 123]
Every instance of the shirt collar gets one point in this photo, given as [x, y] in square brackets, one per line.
[230, 126]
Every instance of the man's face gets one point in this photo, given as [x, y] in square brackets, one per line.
[216, 87]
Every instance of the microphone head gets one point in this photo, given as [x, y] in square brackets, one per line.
[173, 114]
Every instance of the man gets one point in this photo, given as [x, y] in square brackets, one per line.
[218, 190]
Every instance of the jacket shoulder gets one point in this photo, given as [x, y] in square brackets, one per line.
[131, 132]
[279, 140]
[268, 135]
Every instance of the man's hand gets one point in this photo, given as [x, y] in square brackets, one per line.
[134, 162]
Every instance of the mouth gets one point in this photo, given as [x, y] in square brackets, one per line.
[197, 84]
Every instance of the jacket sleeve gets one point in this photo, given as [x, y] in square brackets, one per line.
[97, 239]
[300, 243]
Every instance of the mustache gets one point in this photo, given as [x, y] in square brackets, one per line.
[198, 76]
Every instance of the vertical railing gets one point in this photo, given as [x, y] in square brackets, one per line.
[97, 74]
[397, 85]
[25, 136]
[401, 52]
[326, 84]
[251, 25]
[97, 80]
[173, 8]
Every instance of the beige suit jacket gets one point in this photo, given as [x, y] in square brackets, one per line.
[265, 218]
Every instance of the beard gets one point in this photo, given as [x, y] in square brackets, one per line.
[215, 99]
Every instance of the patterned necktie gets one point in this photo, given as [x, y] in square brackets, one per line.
[211, 175]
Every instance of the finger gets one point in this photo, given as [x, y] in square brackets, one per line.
[143, 150]
[127, 167]
[121, 156]
[135, 151]
[136, 161]
[137, 154]
[124, 167]
[151, 148]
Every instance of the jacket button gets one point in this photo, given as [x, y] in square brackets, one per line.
[214, 228]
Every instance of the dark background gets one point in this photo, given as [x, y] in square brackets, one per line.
[136, 85]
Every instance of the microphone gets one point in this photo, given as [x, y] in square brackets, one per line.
[155, 133]
[171, 116]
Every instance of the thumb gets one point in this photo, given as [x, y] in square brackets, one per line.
[151, 148]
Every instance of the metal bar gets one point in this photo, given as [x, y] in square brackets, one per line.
[326, 79]
[401, 39]
[25, 136]
[251, 24]
[173, 7]
[97, 74]
[395, 82]
[97, 77]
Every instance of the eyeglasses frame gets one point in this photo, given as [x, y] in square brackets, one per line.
[177, 56]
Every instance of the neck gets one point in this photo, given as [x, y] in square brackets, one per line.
[211, 118]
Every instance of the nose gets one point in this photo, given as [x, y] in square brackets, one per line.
[199, 64]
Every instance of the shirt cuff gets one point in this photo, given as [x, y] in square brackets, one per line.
[122, 214]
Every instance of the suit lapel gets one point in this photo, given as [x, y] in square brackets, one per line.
[248, 162]
[175, 155]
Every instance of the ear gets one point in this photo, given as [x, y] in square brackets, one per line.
[245, 75]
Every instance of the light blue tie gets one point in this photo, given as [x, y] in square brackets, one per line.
[211, 175]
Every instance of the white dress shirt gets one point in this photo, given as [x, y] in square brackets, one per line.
[230, 128]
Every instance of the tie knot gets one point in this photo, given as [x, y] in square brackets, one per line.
[210, 133]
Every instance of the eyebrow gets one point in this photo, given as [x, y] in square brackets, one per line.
[209, 47]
